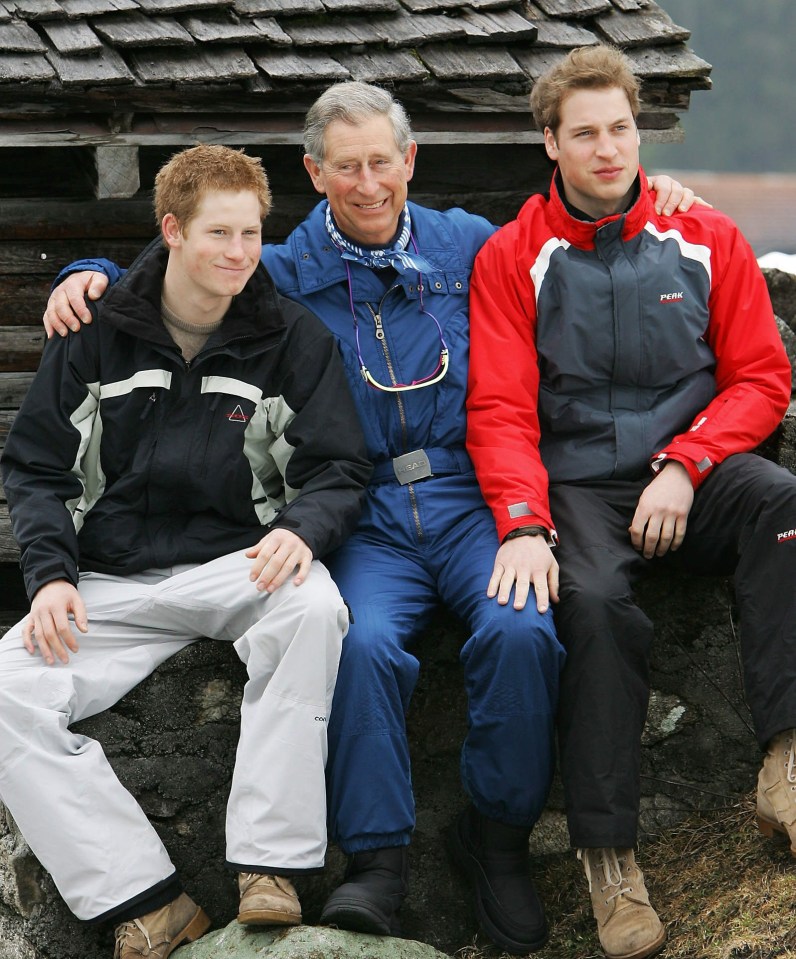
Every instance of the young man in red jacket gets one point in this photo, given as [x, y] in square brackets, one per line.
[624, 366]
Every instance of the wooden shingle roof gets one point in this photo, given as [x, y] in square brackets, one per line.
[119, 74]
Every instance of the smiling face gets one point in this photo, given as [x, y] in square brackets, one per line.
[212, 257]
[364, 177]
[596, 148]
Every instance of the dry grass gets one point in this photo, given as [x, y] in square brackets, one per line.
[723, 891]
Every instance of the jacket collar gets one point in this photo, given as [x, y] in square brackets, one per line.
[318, 263]
[133, 304]
[581, 233]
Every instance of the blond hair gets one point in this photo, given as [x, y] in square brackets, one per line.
[596, 68]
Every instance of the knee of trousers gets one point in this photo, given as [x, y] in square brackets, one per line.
[515, 643]
[778, 501]
[375, 681]
[601, 612]
[315, 610]
[31, 699]
[373, 654]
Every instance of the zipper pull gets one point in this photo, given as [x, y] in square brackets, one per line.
[150, 405]
[379, 327]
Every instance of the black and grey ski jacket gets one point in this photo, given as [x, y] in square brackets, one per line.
[124, 457]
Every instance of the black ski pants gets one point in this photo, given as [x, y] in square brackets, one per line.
[742, 523]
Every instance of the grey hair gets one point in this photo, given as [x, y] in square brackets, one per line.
[353, 102]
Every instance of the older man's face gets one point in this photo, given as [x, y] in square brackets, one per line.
[365, 177]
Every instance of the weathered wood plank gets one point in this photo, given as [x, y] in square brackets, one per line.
[294, 65]
[24, 67]
[405, 29]
[364, 6]
[18, 37]
[329, 32]
[72, 38]
[424, 6]
[628, 5]
[221, 28]
[106, 67]
[23, 299]
[286, 8]
[448, 62]
[180, 6]
[7, 417]
[13, 387]
[574, 8]
[95, 8]
[20, 348]
[502, 26]
[42, 220]
[37, 9]
[667, 62]
[136, 30]
[646, 28]
[539, 59]
[380, 65]
[272, 32]
[490, 4]
[192, 66]
[556, 33]
[26, 257]
[116, 172]
[9, 551]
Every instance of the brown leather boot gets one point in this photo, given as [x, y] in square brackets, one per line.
[158, 933]
[267, 900]
[628, 926]
[776, 788]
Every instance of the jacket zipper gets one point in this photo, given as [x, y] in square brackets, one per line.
[377, 322]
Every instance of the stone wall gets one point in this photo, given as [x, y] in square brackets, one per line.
[172, 741]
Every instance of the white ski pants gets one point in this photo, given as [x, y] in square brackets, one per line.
[82, 824]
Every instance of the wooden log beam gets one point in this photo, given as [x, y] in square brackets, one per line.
[20, 348]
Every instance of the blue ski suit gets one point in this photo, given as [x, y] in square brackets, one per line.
[418, 543]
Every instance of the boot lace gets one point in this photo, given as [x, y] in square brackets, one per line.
[610, 864]
[127, 929]
[250, 877]
[790, 765]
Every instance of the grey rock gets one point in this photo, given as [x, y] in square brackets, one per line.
[782, 290]
[302, 942]
[789, 339]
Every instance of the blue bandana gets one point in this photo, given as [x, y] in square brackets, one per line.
[396, 256]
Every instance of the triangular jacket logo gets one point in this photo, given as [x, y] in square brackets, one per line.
[237, 416]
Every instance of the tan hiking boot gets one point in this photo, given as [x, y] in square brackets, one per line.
[628, 926]
[776, 788]
[158, 933]
[267, 900]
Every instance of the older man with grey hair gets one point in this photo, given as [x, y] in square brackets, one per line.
[390, 279]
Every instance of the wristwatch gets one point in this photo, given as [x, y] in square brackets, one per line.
[525, 531]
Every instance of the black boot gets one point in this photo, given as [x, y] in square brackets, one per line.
[374, 886]
[494, 856]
